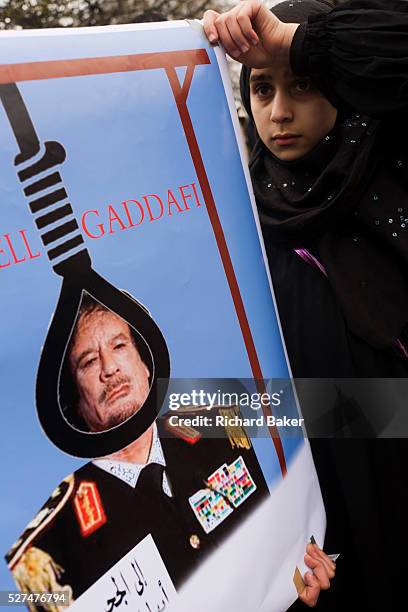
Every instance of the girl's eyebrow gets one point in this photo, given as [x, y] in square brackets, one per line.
[260, 76]
[267, 76]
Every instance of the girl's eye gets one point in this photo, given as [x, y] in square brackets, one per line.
[263, 90]
[303, 85]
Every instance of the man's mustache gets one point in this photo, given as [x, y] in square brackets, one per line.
[111, 386]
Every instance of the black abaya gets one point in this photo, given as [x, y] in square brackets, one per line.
[358, 55]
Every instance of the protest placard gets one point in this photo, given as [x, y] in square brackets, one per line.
[132, 268]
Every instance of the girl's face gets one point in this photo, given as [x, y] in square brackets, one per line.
[290, 114]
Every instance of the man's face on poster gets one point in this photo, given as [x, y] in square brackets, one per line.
[111, 379]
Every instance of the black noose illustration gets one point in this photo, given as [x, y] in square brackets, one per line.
[60, 234]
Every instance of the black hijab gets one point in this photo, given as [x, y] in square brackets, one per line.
[343, 202]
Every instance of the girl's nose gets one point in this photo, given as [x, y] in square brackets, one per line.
[281, 109]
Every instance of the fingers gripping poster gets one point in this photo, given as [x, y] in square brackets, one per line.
[134, 292]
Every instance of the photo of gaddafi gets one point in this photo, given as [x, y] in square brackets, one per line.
[106, 371]
[187, 496]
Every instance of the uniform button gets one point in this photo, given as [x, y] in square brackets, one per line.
[195, 541]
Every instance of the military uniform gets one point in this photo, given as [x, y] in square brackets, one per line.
[93, 518]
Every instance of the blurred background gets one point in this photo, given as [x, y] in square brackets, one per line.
[65, 13]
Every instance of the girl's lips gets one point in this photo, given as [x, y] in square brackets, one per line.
[285, 140]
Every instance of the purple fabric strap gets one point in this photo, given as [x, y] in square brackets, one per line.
[402, 348]
[310, 259]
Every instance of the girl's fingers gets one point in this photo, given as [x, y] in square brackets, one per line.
[326, 559]
[210, 29]
[323, 569]
[236, 33]
[319, 571]
[225, 37]
[311, 592]
[248, 31]
[232, 29]
[320, 555]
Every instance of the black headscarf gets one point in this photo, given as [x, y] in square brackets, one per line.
[343, 201]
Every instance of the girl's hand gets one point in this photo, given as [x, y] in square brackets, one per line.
[323, 571]
[250, 33]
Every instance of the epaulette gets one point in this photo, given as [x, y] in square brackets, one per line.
[88, 508]
[236, 433]
[50, 509]
[198, 425]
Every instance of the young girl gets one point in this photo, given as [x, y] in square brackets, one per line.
[329, 99]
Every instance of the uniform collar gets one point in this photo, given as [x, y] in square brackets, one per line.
[130, 472]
